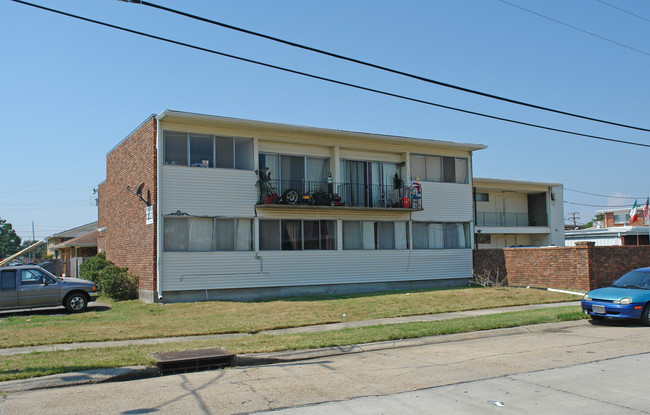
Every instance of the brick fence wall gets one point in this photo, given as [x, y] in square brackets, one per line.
[128, 241]
[583, 267]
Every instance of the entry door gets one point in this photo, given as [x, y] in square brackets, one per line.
[37, 289]
[8, 292]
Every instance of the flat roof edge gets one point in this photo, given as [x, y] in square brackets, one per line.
[245, 122]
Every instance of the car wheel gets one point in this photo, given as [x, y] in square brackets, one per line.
[645, 315]
[76, 302]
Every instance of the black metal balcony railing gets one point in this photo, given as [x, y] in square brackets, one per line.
[509, 219]
[273, 191]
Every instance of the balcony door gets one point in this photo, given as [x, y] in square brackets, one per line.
[368, 183]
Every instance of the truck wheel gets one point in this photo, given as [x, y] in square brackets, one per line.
[76, 302]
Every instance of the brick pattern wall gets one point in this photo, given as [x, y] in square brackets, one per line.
[128, 241]
[583, 267]
[490, 260]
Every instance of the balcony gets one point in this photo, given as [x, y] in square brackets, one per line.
[510, 219]
[306, 193]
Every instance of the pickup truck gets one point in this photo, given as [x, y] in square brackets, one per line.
[30, 286]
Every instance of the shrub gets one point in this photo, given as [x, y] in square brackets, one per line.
[90, 270]
[112, 281]
[118, 284]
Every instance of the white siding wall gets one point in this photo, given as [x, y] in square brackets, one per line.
[232, 193]
[207, 192]
[445, 202]
[223, 270]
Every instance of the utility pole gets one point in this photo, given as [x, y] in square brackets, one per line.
[574, 216]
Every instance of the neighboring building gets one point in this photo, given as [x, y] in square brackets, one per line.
[615, 229]
[200, 227]
[59, 238]
[518, 213]
[73, 246]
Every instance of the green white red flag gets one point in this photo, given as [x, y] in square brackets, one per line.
[633, 215]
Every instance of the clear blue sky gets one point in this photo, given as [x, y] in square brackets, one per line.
[71, 90]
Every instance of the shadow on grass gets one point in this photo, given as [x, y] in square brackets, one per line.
[371, 294]
[50, 311]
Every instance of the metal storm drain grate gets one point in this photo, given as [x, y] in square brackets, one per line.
[170, 363]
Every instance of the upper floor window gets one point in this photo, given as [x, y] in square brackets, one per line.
[295, 168]
[439, 169]
[621, 217]
[482, 197]
[202, 150]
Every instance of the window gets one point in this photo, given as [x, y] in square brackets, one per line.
[439, 169]
[207, 234]
[175, 148]
[621, 217]
[32, 277]
[8, 280]
[203, 150]
[301, 173]
[482, 197]
[483, 238]
[441, 235]
[368, 183]
[374, 235]
[297, 235]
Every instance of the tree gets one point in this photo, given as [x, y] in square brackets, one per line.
[9, 240]
[37, 253]
[590, 224]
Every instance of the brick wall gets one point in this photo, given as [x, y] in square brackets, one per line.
[583, 267]
[128, 241]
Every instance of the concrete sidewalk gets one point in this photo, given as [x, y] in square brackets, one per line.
[304, 329]
[138, 372]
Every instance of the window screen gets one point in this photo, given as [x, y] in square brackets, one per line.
[175, 148]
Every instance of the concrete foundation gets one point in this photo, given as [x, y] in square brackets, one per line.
[262, 293]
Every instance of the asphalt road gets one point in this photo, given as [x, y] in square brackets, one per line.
[573, 367]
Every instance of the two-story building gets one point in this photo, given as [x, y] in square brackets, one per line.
[207, 207]
[512, 213]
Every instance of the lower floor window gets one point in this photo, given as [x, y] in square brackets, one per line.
[441, 235]
[375, 235]
[297, 235]
[207, 234]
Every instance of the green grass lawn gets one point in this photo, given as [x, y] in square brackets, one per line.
[136, 320]
[45, 363]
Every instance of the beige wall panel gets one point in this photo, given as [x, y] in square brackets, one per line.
[208, 192]
[450, 202]
[224, 270]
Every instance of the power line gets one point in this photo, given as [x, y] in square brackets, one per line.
[334, 81]
[577, 28]
[596, 194]
[380, 67]
[625, 11]
[601, 206]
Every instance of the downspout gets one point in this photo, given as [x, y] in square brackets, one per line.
[158, 215]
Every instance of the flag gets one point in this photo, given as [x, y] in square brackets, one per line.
[633, 215]
[646, 209]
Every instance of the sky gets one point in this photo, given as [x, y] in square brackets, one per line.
[71, 90]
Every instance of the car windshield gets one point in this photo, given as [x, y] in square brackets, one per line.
[634, 279]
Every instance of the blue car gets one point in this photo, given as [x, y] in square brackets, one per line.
[627, 298]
